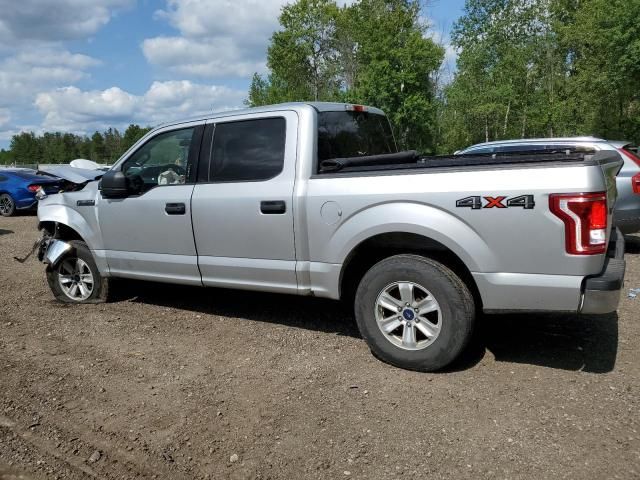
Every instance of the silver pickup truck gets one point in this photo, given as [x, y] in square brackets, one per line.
[314, 199]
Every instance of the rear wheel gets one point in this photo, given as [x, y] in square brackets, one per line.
[7, 205]
[76, 279]
[414, 312]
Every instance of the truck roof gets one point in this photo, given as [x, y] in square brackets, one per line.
[318, 106]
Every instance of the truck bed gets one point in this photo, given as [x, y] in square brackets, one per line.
[412, 160]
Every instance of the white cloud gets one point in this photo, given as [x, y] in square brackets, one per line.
[218, 38]
[71, 109]
[31, 70]
[6, 135]
[202, 58]
[33, 57]
[53, 20]
[249, 21]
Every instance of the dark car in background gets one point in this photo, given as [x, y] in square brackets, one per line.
[627, 209]
[18, 189]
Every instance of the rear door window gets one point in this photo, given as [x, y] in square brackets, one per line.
[248, 150]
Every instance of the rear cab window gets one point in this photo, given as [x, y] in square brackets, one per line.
[348, 134]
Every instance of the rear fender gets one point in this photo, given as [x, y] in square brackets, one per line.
[416, 218]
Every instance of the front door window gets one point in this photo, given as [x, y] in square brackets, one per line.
[163, 160]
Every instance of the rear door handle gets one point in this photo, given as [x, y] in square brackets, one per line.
[175, 209]
[273, 207]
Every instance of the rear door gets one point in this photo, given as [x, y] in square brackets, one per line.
[242, 203]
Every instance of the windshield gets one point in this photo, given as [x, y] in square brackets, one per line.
[353, 134]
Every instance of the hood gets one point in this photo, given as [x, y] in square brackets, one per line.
[72, 174]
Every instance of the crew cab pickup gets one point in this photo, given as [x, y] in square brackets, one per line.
[314, 199]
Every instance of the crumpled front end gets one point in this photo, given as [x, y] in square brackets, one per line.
[51, 250]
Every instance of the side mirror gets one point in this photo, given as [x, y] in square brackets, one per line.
[114, 184]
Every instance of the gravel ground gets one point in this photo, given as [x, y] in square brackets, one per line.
[184, 383]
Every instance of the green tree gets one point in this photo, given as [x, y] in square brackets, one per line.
[604, 42]
[512, 78]
[395, 67]
[374, 52]
[98, 150]
[6, 158]
[112, 144]
[26, 149]
[132, 134]
[301, 56]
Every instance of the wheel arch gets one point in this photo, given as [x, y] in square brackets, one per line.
[68, 224]
[60, 231]
[383, 245]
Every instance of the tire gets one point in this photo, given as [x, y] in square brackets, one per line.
[7, 205]
[75, 266]
[425, 336]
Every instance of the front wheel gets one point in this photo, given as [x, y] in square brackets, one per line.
[76, 279]
[414, 312]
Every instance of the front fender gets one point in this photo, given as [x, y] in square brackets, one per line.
[72, 219]
[416, 218]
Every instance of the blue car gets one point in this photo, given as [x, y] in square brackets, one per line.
[18, 189]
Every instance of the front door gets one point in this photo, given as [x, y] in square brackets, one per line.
[148, 234]
[242, 205]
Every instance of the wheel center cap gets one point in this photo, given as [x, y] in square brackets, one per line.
[408, 314]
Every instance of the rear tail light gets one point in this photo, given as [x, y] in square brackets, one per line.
[635, 183]
[33, 188]
[585, 220]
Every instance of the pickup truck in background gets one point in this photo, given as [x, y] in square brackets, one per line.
[314, 199]
[626, 215]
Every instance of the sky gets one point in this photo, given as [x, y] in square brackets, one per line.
[84, 65]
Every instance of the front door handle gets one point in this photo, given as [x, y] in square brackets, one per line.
[273, 207]
[175, 209]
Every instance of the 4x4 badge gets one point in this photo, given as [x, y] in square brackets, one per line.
[477, 202]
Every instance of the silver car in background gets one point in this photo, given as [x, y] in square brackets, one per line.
[627, 209]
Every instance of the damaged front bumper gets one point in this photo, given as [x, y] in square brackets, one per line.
[51, 250]
[55, 250]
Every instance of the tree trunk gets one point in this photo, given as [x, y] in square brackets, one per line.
[506, 119]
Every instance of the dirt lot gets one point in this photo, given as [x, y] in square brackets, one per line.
[183, 383]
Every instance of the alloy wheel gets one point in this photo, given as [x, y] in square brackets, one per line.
[408, 315]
